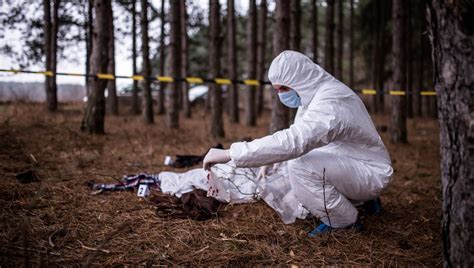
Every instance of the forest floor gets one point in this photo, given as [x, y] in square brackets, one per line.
[57, 221]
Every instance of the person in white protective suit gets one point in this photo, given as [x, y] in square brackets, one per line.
[335, 156]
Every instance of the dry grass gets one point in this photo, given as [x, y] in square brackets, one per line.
[57, 222]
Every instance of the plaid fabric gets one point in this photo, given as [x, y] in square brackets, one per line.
[129, 183]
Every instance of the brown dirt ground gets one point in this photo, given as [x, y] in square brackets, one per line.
[125, 228]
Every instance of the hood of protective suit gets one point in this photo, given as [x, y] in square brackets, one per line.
[296, 71]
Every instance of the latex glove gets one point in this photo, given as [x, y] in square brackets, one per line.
[215, 156]
[262, 173]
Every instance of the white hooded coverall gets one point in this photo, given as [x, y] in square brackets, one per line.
[332, 134]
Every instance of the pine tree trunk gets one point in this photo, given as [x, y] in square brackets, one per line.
[329, 46]
[250, 102]
[161, 92]
[47, 48]
[111, 85]
[172, 97]
[184, 59]
[417, 98]
[261, 50]
[233, 99]
[135, 99]
[217, 126]
[380, 96]
[295, 38]
[93, 121]
[295, 25]
[280, 115]
[314, 28]
[452, 40]
[410, 59]
[51, 36]
[351, 45]
[88, 33]
[378, 43]
[340, 40]
[146, 66]
[398, 128]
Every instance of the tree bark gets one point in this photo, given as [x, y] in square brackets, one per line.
[146, 66]
[261, 50]
[281, 36]
[351, 44]
[217, 126]
[184, 59]
[233, 99]
[161, 92]
[250, 103]
[172, 97]
[398, 128]
[88, 33]
[93, 121]
[314, 28]
[111, 85]
[295, 39]
[340, 40]
[329, 46]
[47, 48]
[410, 59]
[51, 27]
[452, 40]
[295, 21]
[417, 98]
[135, 99]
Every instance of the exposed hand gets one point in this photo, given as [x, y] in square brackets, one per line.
[215, 156]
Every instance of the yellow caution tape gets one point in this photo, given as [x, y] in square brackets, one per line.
[428, 93]
[397, 92]
[251, 82]
[138, 77]
[369, 91]
[106, 76]
[223, 81]
[167, 79]
[47, 73]
[10, 71]
[74, 74]
[194, 80]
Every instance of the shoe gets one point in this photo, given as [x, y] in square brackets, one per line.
[373, 206]
[324, 228]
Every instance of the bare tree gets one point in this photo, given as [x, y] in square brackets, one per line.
[88, 29]
[280, 116]
[172, 98]
[314, 27]
[146, 66]
[452, 40]
[135, 101]
[329, 47]
[261, 50]
[351, 44]
[409, 58]
[340, 40]
[233, 99]
[184, 59]
[93, 121]
[250, 104]
[161, 92]
[51, 26]
[398, 128]
[112, 103]
[295, 25]
[217, 126]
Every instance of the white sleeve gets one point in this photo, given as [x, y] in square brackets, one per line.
[320, 125]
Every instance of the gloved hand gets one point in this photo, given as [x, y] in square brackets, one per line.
[262, 173]
[215, 156]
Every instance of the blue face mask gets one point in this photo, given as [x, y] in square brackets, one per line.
[290, 99]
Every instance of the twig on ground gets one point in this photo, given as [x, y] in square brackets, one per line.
[91, 248]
